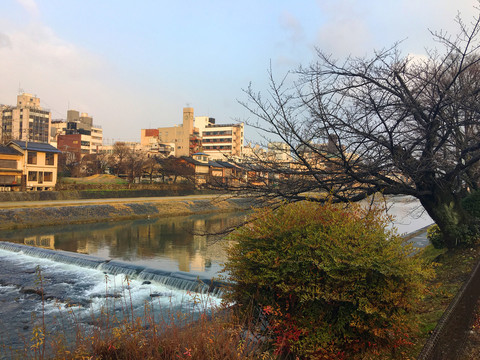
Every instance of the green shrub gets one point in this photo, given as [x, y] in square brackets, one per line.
[332, 282]
[471, 204]
[467, 235]
[434, 235]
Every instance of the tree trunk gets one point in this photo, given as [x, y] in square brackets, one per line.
[446, 210]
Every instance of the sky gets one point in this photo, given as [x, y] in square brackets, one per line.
[135, 64]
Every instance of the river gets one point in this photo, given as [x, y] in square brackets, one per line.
[85, 266]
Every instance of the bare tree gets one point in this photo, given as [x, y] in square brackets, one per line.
[387, 123]
[118, 159]
[94, 164]
[177, 168]
[135, 162]
[151, 167]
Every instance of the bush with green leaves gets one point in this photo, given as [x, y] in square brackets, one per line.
[467, 235]
[331, 281]
[434, 235]
[471, 203]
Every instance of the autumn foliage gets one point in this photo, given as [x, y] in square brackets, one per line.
[331, 281]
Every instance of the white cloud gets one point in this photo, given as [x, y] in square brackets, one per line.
[290, 23]
[353, 27]
[43, 64]
[30, 6]
[345, 37]
[5, 41]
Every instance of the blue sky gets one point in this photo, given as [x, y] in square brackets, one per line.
[136, 64]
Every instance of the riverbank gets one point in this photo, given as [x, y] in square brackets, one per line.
[32, 214]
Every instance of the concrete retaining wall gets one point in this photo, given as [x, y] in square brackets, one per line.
[94, 194]
[15, 218]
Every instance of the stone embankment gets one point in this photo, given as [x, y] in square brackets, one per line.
[49, 213]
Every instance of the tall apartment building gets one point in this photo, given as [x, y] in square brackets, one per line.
[198, 134]
[80, 131]
[220, 141]
[26, 121]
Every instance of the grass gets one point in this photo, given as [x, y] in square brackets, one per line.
[219, 333]
[211, 332]
[95, 179]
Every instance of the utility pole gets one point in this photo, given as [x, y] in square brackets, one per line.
[27, 131]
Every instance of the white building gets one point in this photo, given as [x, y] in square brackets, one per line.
[220, 141]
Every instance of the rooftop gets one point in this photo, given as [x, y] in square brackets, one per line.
[8, 150]
[35, 146]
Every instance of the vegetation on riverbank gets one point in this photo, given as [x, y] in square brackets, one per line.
[225, 333]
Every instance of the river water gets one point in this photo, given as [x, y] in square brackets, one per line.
[84, 267]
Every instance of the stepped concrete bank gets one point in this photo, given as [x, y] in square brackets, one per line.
[31, 214]
[94, 194]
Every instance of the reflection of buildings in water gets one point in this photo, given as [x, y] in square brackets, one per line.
[43, 241]
[187, 241]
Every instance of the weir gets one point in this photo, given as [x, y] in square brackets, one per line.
[176, 279]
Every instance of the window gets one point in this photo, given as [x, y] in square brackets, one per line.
[40, 177]
[32, 158]
[8, 164]
[48, 176]
[7, 179]
[32, 176]
[49, 159]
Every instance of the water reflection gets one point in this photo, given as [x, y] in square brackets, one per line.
[177, 243]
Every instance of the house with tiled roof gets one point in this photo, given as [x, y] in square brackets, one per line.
[39, 163]
[206, 170]
[10, 168]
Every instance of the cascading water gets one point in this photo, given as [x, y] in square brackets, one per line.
[84, 285]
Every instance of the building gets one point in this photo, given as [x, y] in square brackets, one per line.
[197, 134]
[10, 168]
[279, 152]
[150, 143]
[78, 125]
[220, 141]
[27, 121]
[38, 163]
[182, 137]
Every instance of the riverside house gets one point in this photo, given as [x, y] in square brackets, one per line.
[38, 165]
[10, 170]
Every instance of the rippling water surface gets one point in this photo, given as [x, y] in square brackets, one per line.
[181, 245]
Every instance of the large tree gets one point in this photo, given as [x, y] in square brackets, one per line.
[395, 124]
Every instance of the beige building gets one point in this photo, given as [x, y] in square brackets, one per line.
[39, 163]
[26, 121]
[196, 134]
[279, 151]
[182, 138]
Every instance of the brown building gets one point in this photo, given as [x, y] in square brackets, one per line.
[71, 147]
